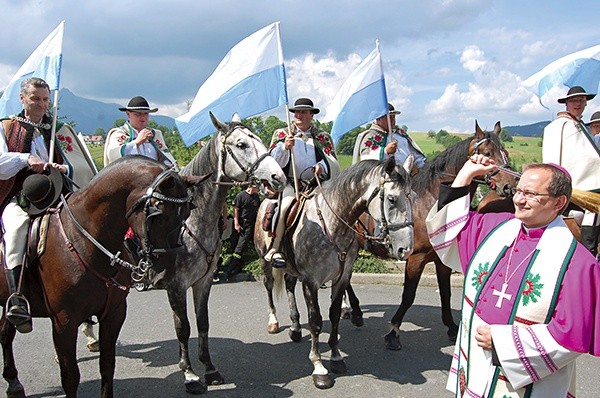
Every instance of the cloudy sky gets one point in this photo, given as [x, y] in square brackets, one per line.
[446, 62]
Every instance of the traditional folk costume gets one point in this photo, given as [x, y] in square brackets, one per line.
[311, 147]
[371, 143]
[119, 143]
[538, 290]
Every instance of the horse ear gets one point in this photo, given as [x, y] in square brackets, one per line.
[219, 125]
[390, 165]
[236, 118]
[497, 128]
[195, 180]
[479, 134]
[408, 163]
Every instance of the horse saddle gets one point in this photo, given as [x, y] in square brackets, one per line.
[36, 238]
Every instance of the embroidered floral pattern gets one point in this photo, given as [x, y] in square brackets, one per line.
[533, 289]
[374, 142]
[462, 381]
[65, 142]
[121, 139]
[480, 275]
[326, 144]
[159, 144]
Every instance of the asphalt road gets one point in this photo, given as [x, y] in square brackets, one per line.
[256, 364]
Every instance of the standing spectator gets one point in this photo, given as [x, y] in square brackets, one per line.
[135, 137]
[245, 208]
[378, 143]
[567, 142]
[594, 125]
[531, 297]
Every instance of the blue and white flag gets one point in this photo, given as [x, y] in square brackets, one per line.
[248, 81]
[45, 62]
[581, 68]
[361, 98]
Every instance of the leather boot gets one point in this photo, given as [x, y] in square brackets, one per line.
[589, 237]
[17, 307]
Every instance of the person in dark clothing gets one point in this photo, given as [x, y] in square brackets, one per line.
[245, 208]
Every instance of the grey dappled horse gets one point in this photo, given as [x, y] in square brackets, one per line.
[322, 247]
[233, 154]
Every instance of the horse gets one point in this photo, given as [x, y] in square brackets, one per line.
[321, 247]
[441, 169]
[234, 155]
[80, 273]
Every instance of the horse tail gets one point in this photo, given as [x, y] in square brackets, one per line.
[278, 281]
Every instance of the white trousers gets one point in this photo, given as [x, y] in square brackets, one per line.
[15, 225]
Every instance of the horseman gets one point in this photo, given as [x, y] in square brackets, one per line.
[28, 185]
[568, 142]
[383, 139]
[135, 137]
[304, 153]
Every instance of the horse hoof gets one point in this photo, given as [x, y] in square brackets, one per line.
[195, 387]
[357, 320]
[345, 314]
[273, 328]
[15, 389]
[93, 346]
[338, 367]
[322, 382]
[392, 341]
[295, 335]
[214, 378]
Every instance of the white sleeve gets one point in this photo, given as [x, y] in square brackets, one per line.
[280, 154]
[528, 354]
[10, 162]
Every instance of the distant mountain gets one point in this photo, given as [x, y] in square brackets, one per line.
[529, 130]
[89, 115]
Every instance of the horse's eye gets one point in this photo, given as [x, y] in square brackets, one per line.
[391, 199]
[242, 145]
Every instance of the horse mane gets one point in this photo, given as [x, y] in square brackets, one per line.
[349, 179]
[447, 164]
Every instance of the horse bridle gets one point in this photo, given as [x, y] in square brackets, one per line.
[487, 179]
[226, 150]
[150, 210]
[384, 236]
[386, 228]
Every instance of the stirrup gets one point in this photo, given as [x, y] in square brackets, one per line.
[19, 316]
[278, 261]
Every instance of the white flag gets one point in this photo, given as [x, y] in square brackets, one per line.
[361, 98]
[45, 63]
[248, 81]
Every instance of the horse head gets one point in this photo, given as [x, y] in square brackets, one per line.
[393, 210]
[158, 214]
[489, 144]
[244, 157]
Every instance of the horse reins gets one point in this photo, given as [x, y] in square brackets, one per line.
[144, 264]
[386, 228]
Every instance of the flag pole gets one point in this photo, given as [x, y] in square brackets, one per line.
[54, 118]
[292, 157]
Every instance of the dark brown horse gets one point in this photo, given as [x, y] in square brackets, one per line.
[80, 274]
[442, 168]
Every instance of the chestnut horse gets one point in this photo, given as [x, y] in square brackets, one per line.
[442, 168]
[80, 274]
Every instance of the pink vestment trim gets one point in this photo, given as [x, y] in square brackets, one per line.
[540, 347]
[533, 375]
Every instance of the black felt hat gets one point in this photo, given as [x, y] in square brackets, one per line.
[576, 91]
[138, 104]
[41, 191]
[304, 104]
[595, 118]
